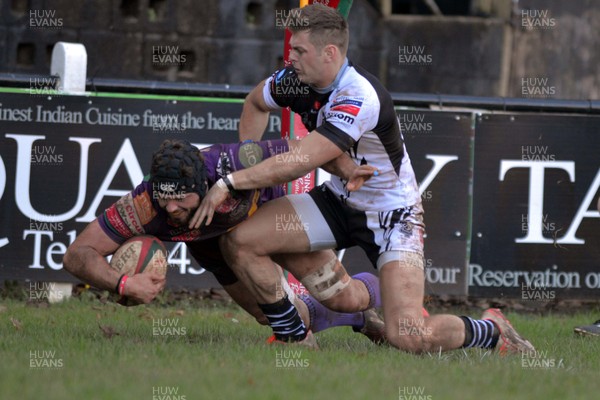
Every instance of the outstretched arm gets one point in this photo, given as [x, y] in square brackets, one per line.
[85, 259]
[343, 166]
[355, 175]
[304, 156]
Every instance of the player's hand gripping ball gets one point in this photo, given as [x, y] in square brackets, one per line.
[137, 255]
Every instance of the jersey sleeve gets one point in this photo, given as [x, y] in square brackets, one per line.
[249, 153]
[274, 147]
[282, 88]
[347, 118]
[128, 216]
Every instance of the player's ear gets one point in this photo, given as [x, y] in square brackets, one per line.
[330, 52]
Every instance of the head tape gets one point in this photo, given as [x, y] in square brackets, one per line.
[177, 168]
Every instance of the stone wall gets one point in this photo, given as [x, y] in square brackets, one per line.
[502, 51]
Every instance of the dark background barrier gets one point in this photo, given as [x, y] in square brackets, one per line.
[535, 224]
[110, 141]
[83, 154]
[439, 144]
[66, 158]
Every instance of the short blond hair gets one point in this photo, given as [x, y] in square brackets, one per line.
[325, 26]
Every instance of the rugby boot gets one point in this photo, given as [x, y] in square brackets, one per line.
[309, 341]
[509, 342]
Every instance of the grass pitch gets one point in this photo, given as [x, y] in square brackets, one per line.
[89, 349]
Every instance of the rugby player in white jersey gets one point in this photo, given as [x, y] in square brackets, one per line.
[347, 111]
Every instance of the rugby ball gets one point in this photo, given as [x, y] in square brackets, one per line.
[140, 254]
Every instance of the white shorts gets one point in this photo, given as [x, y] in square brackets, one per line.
[383, 235]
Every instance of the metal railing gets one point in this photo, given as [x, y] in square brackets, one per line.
[418, 100]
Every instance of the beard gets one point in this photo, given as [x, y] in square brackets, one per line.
[182, 217]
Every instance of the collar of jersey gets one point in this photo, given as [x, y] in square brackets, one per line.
[336, 81]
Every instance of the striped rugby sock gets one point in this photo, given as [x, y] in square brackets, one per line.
[480, 333]
[284, 320]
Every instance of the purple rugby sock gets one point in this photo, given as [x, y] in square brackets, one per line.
[322, 318]
[372, 284]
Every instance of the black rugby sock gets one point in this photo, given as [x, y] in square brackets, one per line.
[284, 320]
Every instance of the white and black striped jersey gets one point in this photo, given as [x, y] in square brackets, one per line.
[357, 114]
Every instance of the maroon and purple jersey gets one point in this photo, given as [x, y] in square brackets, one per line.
[138, 212]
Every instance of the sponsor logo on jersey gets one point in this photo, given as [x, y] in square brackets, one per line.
[341, 116]
[347, 105]
[239, 212]
[144, 208]
[250, 154]
[223, 164]
[188, 236]
[116, 222]
[228, 205]
[346, 108]
[127, 212]
[406, 228]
